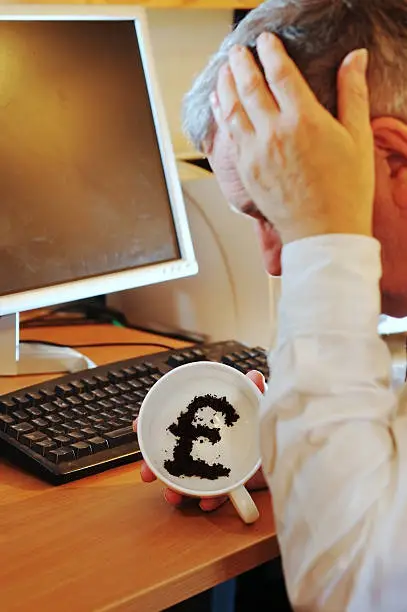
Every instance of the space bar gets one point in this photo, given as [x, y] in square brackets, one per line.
[121, 436]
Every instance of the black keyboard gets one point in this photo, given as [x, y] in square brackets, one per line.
[81, 424]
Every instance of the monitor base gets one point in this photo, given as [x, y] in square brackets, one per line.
[46, 359]
[18, 358]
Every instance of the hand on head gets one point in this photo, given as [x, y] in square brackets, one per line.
[208, 504]
[308, 173]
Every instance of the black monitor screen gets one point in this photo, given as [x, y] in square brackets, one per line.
[82, 187]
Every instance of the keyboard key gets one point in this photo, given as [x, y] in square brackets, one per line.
[98, 444]
[111, 390]
[82, 423]
[139, 395]
[88, 432]
[99, 394]
[123, 387]
[141, 370]
[228, 360]
[189, 356]
[113, 424]
[78, 386]
[68, 415]
[20, 415]
[47, 394]
[151, 367]
[135, 384]
[76, 436]
[32, 438]
[147, 381]
[74, 401]
[118, 401]
[44, 446]
[121, 436]
[95, 419]
[105, 404]
[102, 381]
[35, 398]
[156, 377]
[89, 383]
[7, 406]
[60, 404]
[93, 409]
[54, 419]
[120, 412]
[128, 397]
[79, 412]
[129, 372]
[87, 397]
[59, 455]
[16, 431]
[116, 376]
[175, 360]
[101, 428]
[40, 423]
[106, 416]
[242, 366]
[63, 390]
[69, 427]
[48, 408]
[126, 420]
[22, 401]
[34, 412]
[81, 449]
[57, 430]
[62, 440]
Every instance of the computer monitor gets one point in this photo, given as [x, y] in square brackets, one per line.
[90, 197]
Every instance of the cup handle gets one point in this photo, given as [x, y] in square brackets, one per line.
[244, 504]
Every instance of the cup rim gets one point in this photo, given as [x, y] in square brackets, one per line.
[167, 481]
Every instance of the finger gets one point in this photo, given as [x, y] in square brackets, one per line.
[353, 96]
[146, 474]
[173, 498]
[209, 504]
[217, 114]
[253, 91]
[231, 114]
[288, 86]
[135, 425]
[258, 379]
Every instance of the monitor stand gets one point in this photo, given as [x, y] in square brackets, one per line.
[22, 358]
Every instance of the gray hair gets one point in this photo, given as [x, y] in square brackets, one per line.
[318, 34]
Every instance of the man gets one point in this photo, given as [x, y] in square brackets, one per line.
[333, 431]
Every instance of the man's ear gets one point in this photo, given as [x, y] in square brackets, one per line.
[390, 136]
[270, 245]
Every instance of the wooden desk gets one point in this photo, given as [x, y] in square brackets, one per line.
[111, 542]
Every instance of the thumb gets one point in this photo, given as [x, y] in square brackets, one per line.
[258, 379]
[353, 96]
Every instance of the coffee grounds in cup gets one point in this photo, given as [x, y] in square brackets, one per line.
[187, 432]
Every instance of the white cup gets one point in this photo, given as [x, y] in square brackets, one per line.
[235, 447]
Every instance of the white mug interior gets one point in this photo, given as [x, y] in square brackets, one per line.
[238, 449]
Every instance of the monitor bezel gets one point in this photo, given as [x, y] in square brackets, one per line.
[182, 267]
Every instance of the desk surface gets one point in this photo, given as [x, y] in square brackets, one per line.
[111, 542]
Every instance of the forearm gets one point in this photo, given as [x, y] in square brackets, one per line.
[328, 449]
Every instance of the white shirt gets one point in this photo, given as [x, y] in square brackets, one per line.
[334, 433]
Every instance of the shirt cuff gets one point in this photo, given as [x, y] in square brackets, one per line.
[330, 283]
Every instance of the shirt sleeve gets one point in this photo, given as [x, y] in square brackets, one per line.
[332, 438]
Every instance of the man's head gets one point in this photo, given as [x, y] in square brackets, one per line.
[318, 34]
